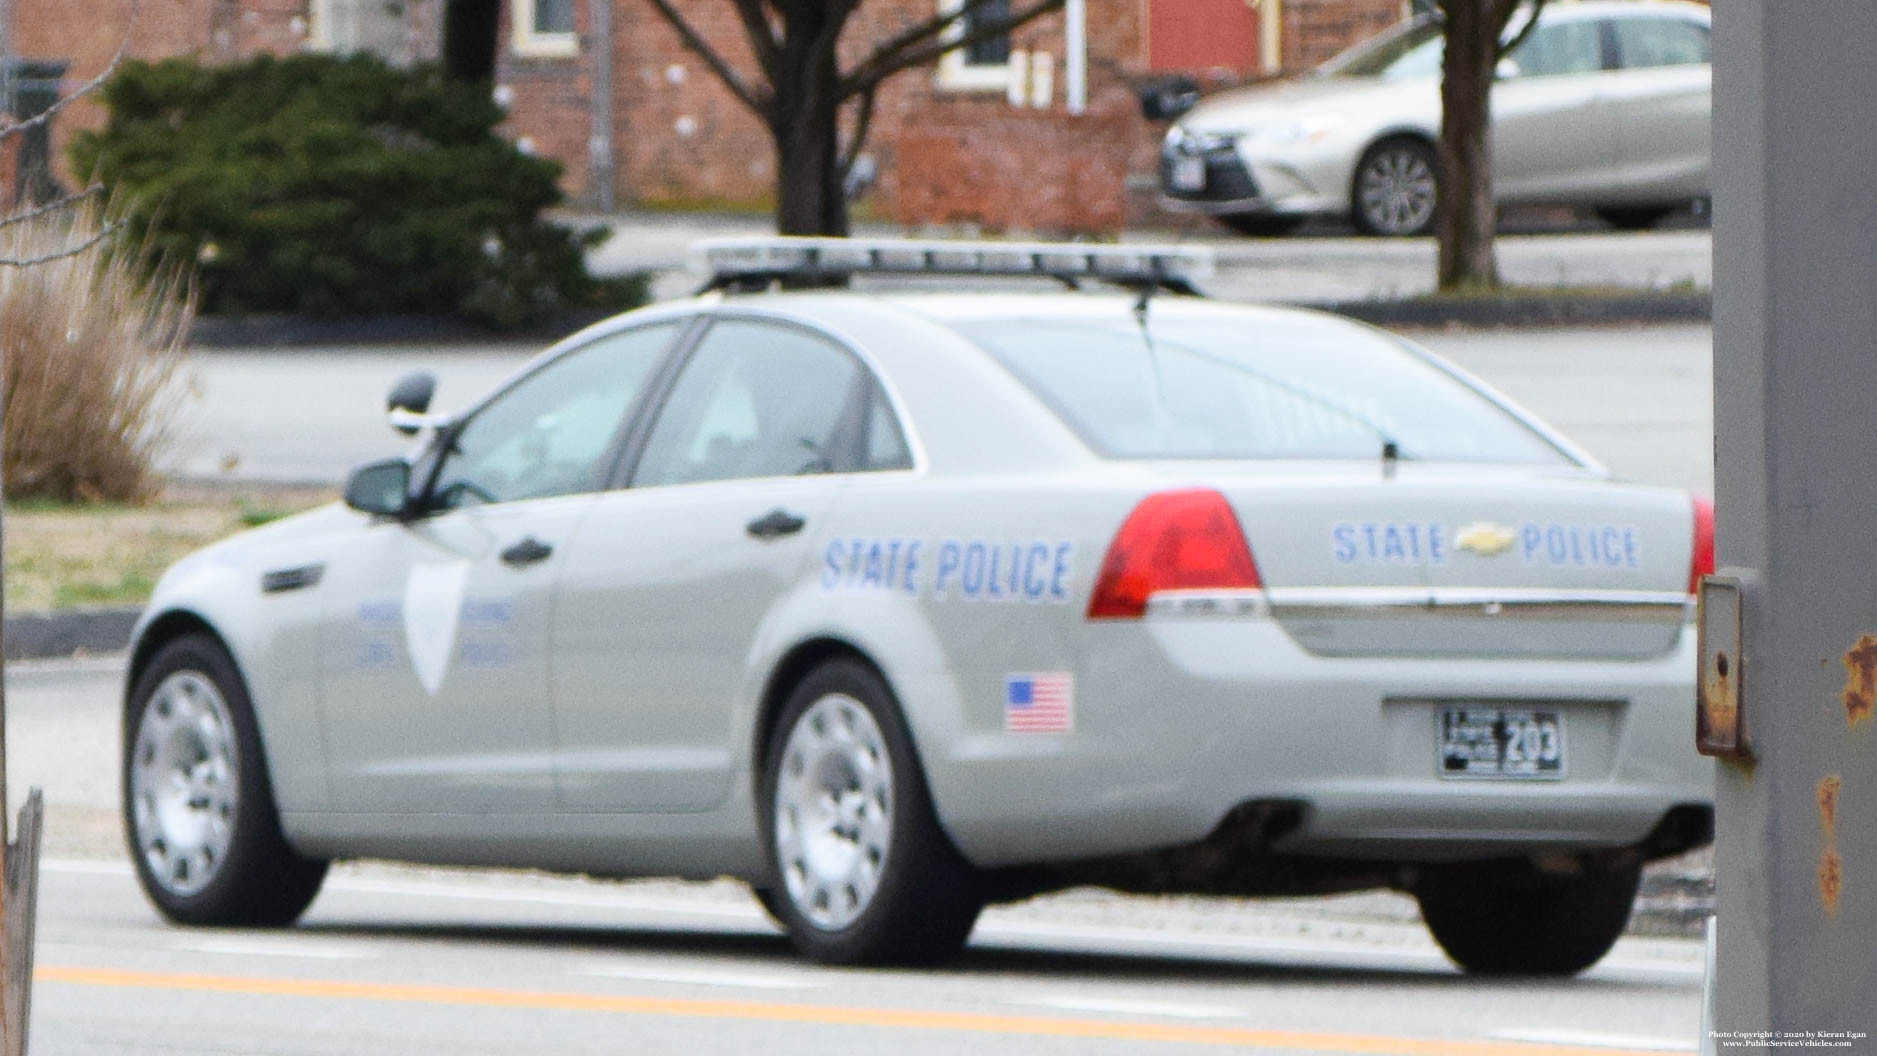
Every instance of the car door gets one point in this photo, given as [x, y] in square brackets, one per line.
[1661, 98]
[434, 668]
[1552, 133]
[673, 585]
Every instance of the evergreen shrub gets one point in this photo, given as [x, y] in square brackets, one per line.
[339, 186]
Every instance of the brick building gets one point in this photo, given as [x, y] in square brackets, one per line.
[1042, 132]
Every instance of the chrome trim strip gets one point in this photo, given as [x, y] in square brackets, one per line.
[1208, 605]
[1525, 603]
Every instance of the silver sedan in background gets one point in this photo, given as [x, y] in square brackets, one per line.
[1604, 105]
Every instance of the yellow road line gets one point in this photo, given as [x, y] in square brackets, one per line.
[826, 1015]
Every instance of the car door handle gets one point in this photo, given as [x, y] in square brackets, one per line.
[775, 523]
[526, 552]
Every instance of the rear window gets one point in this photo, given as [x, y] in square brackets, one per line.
[1275, 388]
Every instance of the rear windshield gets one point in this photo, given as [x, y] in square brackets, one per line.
[1275, 388]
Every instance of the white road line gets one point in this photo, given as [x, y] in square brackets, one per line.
[1591, 1039]
[1123, 1006]
[318, 951]
[700, 977]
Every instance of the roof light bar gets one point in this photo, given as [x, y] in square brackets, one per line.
[732, 261]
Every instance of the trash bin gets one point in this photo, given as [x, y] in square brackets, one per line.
[32, 86]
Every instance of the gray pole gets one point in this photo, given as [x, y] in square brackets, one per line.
[600, 145]
[1795, 394]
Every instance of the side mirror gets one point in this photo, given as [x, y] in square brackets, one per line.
[381, 487]
[409, 401]
[1505, 70]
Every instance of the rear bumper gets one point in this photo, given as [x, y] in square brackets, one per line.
[1179, 721]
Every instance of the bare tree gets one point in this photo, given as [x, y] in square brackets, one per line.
[19, 855]
[799, 88]
[1466, 219]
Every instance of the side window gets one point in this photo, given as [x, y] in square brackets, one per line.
[755, 400]
[885, 444]
[553, 433]
[1647, 42]
[1561, 47]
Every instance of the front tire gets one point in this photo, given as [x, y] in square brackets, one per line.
[1506, 921]
[863, 874]
[1262, 225]
[1396, 189]
[198, 809]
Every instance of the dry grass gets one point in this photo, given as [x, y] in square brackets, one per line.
[91, 343]
[62, 557]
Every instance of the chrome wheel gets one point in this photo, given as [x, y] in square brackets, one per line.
[184, 789]
[1395, 190]
[833, 811]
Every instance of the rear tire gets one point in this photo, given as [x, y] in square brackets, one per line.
[1634, 217]
[1514, 921]
[198, 808]
[863, 874]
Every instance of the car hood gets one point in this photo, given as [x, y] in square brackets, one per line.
[1366, 98]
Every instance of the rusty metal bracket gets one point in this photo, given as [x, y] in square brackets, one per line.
[1720, 697]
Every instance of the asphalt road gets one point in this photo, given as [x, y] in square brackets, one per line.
[1639, 398]
[407, 960]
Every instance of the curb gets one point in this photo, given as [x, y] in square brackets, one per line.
[46, 635]
[1531, 311]
[296, 331]
[292, 331]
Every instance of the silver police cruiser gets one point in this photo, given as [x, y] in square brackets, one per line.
[897, 603]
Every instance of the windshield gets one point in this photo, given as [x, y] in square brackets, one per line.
[1411, 49]
[1290, 388]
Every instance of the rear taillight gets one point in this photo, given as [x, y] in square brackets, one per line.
[1174, 540]
[1703, 561]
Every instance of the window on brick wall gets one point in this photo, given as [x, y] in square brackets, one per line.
[984, 66]
[545, 28]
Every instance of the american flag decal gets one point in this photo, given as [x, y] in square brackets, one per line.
[1040, 703]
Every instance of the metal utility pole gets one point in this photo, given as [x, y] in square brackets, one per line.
[1795, 394]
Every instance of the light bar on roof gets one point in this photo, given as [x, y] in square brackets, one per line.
[728, 260]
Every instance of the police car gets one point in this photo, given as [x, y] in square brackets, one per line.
[897, 603]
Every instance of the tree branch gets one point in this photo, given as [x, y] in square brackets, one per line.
[762, 38]
[63, 201]
[1507, 7]
[763, 103]
[925, 42]
[862, 125]
[10, 130]
[60, 254]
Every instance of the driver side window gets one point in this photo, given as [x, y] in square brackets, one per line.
[555, 431]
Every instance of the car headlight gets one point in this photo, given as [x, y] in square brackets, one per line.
[1185, 141]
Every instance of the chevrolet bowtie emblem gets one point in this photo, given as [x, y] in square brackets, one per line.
[1485, 538]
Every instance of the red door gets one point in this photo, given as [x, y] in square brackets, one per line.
[1192, 36]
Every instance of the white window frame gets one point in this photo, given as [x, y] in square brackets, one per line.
[321, 20]
[957, 75]
[530, 44]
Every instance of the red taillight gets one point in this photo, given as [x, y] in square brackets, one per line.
[1703, 561]
[1174, 540]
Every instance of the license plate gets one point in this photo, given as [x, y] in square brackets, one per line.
[1500, 743]
[1187, 173]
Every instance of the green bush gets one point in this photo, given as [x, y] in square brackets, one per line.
[339, 186]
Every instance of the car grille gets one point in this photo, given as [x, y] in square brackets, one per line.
[1227, 178]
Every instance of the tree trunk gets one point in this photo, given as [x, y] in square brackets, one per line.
[810, 198]
[1465, 223]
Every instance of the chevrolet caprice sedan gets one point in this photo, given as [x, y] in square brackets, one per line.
[894, 604]
[1604, 105]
